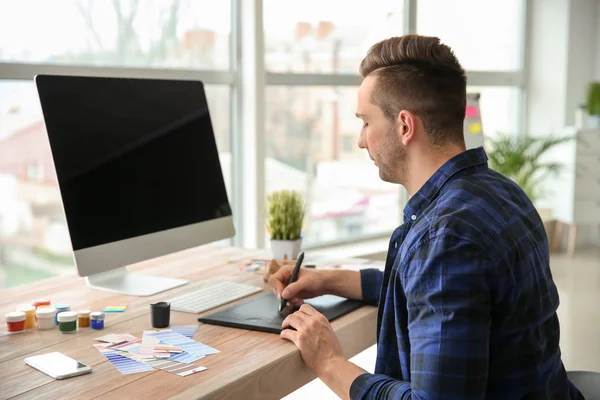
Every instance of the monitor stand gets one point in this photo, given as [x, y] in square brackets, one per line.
[134, 284]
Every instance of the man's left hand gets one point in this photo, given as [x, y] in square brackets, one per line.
[315, 338]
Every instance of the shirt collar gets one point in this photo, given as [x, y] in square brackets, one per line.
[428, 192]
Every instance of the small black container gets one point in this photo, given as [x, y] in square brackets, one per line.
[160, 313]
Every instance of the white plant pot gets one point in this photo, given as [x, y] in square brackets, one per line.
[281, 248]
[593, 121]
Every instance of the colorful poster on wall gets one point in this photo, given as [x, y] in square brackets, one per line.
[473, 128]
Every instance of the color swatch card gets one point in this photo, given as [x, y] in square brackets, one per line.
[148, 344]
[119, 308]
[187, 345]
[185, 357]
[175, 367]
[186, 330]
[125, 365]
[130, 346]
[116, 338]
[151, 347]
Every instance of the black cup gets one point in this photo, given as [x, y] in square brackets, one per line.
[160, 314]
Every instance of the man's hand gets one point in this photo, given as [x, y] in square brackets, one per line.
[309, 284]
[319, 347]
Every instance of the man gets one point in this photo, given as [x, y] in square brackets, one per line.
[467, 304]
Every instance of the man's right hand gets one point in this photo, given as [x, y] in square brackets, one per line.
[309, 284]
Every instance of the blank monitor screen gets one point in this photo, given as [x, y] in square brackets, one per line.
[132, 156]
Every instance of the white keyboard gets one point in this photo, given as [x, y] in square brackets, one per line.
[212, 296]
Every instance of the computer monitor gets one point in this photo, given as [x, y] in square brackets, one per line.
[138, 171]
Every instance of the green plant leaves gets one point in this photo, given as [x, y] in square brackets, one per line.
[520, 158]
[285, 214]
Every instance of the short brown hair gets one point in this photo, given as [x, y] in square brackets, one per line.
[421, 75]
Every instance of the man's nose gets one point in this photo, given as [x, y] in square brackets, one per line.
[362, 141]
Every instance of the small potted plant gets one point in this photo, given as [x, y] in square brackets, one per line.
[285, 214]
[593, 105]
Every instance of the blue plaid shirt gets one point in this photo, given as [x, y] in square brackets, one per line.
[467, 304]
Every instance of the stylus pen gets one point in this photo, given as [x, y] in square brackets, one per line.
[293, 279]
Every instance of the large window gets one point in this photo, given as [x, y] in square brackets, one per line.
[485, 35]
[309, 130]
[332, 36]
[132, 33]
[307, 138]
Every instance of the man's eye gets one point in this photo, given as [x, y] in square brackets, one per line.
[365, 125]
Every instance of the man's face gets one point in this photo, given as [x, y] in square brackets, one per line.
[379, 136]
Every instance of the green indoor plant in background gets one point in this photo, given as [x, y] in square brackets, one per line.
[593, 105]
[285, 215]
[521, 159]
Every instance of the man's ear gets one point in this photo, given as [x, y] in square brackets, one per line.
[406, 126]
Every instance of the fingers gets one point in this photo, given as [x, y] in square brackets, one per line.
[279, 279]
[290, 335]
[292, 290]
[309, 310]
[296, 301]
[276, 281]
[295, 321]
[277, 285]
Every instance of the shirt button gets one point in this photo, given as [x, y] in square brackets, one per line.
[413, 217]
[395, 245]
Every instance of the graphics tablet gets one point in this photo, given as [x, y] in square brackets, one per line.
[260, 313]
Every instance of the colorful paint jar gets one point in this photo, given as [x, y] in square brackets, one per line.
[15, 321]
[60, 308]
[67, 322]
[29, 315]
[45, 317]
[97, 320]
[83, 318]
[41, 303]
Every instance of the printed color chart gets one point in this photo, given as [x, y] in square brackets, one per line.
[187, 345]
[124, 364]
[186, 330]
[175, 367]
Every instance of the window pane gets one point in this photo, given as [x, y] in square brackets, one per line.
[149, 33]
[500, 109]
[309, 132]
[330, 36]
[484, 34]
[34, 240]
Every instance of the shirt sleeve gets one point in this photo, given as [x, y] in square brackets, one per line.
[449, 316]
[370, 282]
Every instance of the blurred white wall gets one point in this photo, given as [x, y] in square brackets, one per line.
[564, 54]
[564, 57]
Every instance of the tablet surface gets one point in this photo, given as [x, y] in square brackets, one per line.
[261, 313]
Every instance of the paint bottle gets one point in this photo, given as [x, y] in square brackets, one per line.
[41, 303]
[45, 317]
[97, 320]
[83, 319]
[67, 322]
[29, 315]
[15, 321]
[60, 308]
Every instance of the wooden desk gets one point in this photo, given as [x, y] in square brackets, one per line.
[250, 364]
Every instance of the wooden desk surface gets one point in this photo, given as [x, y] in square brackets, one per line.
[250, 364]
